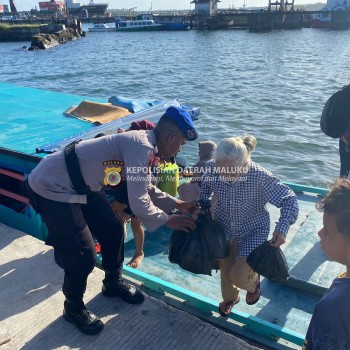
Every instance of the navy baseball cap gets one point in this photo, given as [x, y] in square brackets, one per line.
[182, 119]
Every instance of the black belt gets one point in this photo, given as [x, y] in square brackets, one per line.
[74, 171]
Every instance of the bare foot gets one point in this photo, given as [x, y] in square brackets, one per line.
[136, 260]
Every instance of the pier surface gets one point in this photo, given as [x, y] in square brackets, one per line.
[31, 304]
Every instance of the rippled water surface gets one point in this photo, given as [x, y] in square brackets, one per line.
[271, 85]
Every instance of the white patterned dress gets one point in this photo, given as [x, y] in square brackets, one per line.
[241, 205]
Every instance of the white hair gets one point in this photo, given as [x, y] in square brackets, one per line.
[235, 150]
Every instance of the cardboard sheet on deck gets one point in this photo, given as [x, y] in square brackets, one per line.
[96, 112]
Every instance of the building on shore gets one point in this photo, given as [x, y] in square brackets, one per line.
[4, 8]
[205, 7]
[72, 7]
[52, 7]
[92, 9]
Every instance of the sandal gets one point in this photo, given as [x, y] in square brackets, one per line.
[228, 307]
[257, 291]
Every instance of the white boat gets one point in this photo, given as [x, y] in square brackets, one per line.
[101, 27]
[138, 25]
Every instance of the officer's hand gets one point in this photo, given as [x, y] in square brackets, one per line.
[181, 222]
[278, 239]
[191, 208]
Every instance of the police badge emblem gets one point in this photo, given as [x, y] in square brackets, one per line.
[112, 176]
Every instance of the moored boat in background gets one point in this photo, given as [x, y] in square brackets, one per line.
[91, 9]
[101, 27]
[144, 25]
[334, 15]
[174, 22]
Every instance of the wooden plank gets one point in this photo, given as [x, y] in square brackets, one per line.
[301, 188]
[12, 174]
[15, 196]
[19, 155]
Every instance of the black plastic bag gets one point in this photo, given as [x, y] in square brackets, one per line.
[198, 251]
[177, 241]
[194, 255]
[214, 235]
[190, 252]
[269, 262]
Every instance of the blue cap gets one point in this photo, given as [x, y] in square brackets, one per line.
[182, 119]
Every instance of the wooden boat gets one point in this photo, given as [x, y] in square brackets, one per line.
[279, 320]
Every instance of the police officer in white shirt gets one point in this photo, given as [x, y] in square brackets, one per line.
[68, 188]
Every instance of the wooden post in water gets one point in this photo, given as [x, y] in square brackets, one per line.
[278, 19]
[293, 20]
[260, 22]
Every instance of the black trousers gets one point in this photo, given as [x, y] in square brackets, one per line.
[71, 227]
[344, 159]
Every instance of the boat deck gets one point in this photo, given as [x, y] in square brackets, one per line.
[28, 117]
[32, 120]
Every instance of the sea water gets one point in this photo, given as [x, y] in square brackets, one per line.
[271, 85]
